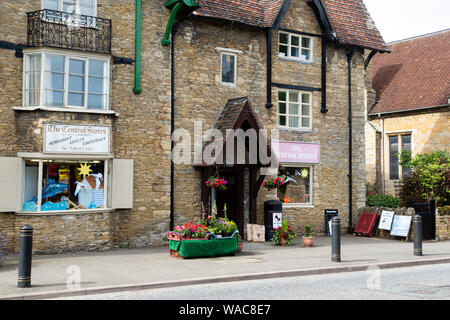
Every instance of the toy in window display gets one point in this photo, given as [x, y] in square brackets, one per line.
[90, 192]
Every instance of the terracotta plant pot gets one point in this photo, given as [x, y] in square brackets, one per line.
[308, 242]
[240, 246]
[283, 242]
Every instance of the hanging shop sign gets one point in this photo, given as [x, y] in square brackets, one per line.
[296, 152]
[401, 226]
[78, 139]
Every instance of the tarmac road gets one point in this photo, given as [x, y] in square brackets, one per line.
[410, 283]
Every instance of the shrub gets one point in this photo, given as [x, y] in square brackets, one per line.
[383, 201]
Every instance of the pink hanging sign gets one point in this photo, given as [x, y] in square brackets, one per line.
[296, 152]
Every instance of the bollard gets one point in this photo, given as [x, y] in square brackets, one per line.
[336, 239]
[26, 249]
[418, 235]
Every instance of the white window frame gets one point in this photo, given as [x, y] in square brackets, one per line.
[300, 47]
[300, 115]
[41, 160]
[233, 54]
[68, 56]
[309, 204]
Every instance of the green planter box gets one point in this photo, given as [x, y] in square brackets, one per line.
[204, 248]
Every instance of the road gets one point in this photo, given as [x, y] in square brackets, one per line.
[413, 283]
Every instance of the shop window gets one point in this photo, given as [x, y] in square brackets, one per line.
[298, 186]
[294, 46]
[64, 185]
[72, 81]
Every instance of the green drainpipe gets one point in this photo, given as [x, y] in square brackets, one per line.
[137, 67]
[175, 6]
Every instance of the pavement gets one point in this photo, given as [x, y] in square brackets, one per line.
[116, 270]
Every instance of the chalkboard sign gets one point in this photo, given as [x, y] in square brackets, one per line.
[329, 214]
[386, 220]
[401, 226]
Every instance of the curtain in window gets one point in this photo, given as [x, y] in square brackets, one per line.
[32, 80]
[393, 158]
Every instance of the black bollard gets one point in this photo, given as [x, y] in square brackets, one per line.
[336, 239]
[26, 249]
[418, 235]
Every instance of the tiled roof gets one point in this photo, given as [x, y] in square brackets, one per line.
[353, 24]
[260, 13]
[415, 75]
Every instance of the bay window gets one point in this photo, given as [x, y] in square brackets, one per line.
[66, 81]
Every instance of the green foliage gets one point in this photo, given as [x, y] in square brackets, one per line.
[383, 201]
[308, 233]
[286, 232]
[429, 178]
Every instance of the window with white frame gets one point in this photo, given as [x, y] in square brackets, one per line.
[58, 185]
[62, 80]
[294, 46]
[294, 109]
[297, 188]
[83, 7]
[228, 68]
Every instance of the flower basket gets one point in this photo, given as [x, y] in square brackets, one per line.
[217, 183]
[273, 183]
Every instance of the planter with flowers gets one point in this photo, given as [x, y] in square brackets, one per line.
[217, 183]
[273, 182]
[284, 235]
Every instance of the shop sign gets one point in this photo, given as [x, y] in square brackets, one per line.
[80, 139]
[296, 152]
[401, 226]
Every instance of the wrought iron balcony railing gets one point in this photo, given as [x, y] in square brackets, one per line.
[68, 30]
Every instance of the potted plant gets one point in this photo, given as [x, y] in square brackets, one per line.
[283, 235]
[308, 238]
[240, 244]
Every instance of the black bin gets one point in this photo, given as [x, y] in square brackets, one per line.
[271, 207]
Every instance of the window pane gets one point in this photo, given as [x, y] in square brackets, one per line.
[54, 63]
[306, 110]
[294, 52]
[54, 98]
[77, 66]
[293, 109]
[282, 120]
[295, 41]
[54, 81]
[30, 188]
[96, 101]
[75, 99]
[97, 68]
[96, 85]
[306, 42]
[228, 64]
[306, 54]
[50, 4]
[283, 51]
[32, 97]
[282, 95]
[33, 63]
[293, 122]
[282, 108]
[76, 83]
[297, 188]
[87, 7]
[406, 146]
[69, 6]
[393, 159]
[306, 98]
[306, 122]
[293, 96]
[283, 38]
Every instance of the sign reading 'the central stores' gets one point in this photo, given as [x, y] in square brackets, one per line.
[81, 139]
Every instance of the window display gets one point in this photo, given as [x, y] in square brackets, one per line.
[297, 186]
[64, 185]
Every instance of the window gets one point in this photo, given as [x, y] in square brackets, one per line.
[83, 7]
[298, 186]
[55, 80]
[397, 144]
[64, 185]
[294, 109]
[228, 68]
[294, 46]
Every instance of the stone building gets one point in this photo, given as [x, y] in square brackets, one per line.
[93, 90]
[409, 109]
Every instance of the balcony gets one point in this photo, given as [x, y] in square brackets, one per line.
[68, 31]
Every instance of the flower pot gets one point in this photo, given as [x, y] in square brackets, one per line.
[240, 246]
[308, 241]
[283, 241]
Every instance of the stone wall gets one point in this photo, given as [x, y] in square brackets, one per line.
[443, 224]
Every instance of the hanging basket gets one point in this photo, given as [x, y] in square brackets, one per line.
[217, 183]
